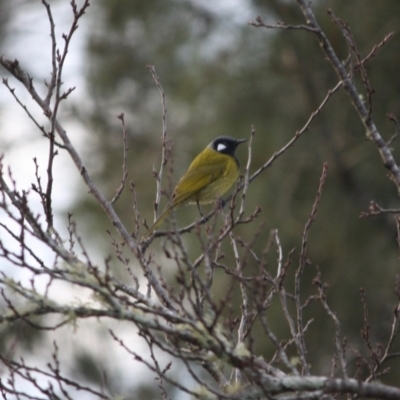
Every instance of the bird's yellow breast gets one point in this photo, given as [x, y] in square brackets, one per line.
[210, 176]
[218, 187]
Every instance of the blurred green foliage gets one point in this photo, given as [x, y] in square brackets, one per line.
[221, 76]
[4, 17]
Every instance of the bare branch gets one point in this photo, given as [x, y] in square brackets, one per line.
[165, 150]
[121, 187]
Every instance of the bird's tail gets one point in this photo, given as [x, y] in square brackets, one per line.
[158, 222]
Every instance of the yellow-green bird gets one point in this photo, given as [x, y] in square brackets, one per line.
[210, 176]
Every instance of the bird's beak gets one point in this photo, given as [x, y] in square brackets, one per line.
[241, 141]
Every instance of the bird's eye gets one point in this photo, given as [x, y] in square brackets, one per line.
[221, 147]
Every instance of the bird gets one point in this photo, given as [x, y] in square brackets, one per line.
[210, 175]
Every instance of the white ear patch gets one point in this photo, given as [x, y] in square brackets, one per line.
[221, 147]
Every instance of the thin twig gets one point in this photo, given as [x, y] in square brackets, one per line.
[165, 150]
[300, 270]
[259, 22]
[247, 171]
[58, 60]
[375, 209]
[121, 187]
[280, 254]
[340, 350]
[396, 131]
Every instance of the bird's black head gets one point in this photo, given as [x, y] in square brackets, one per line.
[226, 145]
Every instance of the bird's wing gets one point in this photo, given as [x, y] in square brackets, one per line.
[197, 179]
